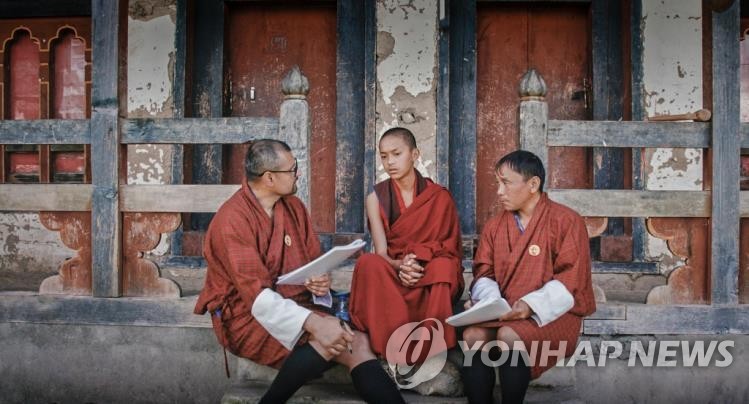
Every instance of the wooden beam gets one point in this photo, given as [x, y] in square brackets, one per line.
[198, 130]
[174, 198]
[106, 231]
[628, 134]
[44, 8]
[462, 148]
[668, 319]
[59, 309]
[724, 259]
[609, 312]
[627, 203]
[350, 121]
[45, 197]
[45, 131]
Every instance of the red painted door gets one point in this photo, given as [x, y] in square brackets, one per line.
[264, 41]
[511, 38]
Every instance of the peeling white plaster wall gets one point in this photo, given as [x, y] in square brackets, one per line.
[406, 74]
[672, 76]
[150, 54]
[28, 250]
[150, 46]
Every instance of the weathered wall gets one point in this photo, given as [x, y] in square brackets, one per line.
[672, 78]
[407, 74]
[150, 72]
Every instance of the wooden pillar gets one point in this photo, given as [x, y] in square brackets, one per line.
[106, 221]
[724, 258]
[534, 116]
[462, 81]
[207, 96]
[178, 97]
[350, 121]
[608, 94]
[294, 126]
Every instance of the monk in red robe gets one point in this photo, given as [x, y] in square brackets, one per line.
[534, 254]
[415, 272]
[260, 233]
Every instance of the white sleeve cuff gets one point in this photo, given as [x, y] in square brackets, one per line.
[282, 318]
[484, 288]
[326, 300]
[550, 302]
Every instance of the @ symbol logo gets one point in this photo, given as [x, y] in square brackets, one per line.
[416, 352]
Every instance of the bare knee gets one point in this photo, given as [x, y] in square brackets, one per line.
[477, 335]
[508, 336]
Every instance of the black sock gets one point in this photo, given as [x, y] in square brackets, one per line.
[514, 378]
[478, 380]
[373, 384]
[302, 365]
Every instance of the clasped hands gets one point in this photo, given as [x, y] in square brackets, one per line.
[410, 271]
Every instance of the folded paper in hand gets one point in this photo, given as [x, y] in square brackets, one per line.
[324, 263]
[484, 310]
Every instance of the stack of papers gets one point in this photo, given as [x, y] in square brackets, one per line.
[484, 310]
[324, 263]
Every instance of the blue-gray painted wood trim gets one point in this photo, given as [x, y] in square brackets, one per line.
[44, 8]
[208, 75]
[726, 149]
[443, 100]
[600, 267]
[639, 230]
[105, 148]
[608, 172]
[45, 131]
[370, 101]
[463, 111]
[350, 116]
[178, 97]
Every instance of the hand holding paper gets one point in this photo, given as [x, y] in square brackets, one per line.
[484, 310]
[323, 264]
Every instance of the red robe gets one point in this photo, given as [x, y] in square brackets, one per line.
[428, 228]
[246, 252]
[503, 255]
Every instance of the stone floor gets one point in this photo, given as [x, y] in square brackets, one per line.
[250, 393]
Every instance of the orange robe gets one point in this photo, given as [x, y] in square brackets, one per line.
[430, 229]
[247, 251]
[503, 255]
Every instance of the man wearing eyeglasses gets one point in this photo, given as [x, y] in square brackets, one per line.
[262, 232]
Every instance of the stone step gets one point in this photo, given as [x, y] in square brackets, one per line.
[250, 393]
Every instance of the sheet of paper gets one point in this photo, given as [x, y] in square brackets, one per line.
[324, 263]
[484, 310]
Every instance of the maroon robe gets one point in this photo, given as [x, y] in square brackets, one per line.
[430, 229]
[503, 255]
[247, 251]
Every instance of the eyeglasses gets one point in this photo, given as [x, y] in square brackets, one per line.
[294, 169]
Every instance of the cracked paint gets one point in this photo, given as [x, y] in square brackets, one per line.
[406, 74]
[672, 80]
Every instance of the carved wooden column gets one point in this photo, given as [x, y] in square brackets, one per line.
[294, 126]
[534, 115]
